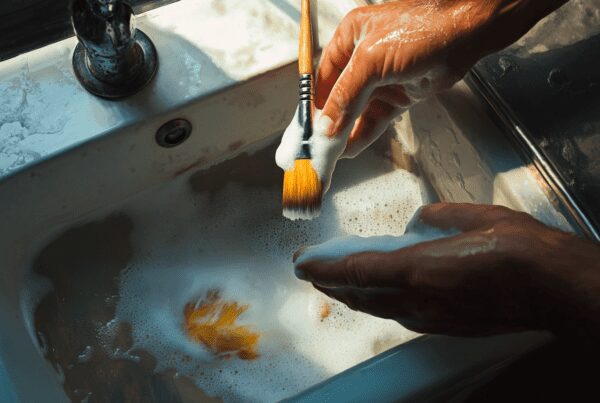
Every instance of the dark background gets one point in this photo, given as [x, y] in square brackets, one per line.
[29, 24]
[554, 97]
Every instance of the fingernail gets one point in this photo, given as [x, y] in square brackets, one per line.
[298, 253]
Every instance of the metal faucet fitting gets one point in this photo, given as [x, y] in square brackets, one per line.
[113, 59]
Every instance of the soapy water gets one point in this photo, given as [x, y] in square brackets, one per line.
[235, 241]
[192, 237]
[211, 321]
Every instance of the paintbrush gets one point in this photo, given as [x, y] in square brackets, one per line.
[302, 188]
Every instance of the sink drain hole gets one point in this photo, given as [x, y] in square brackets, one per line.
[173, 133]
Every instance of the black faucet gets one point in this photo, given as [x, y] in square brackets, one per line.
[113, 59]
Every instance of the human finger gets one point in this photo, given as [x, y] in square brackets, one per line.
[371, 124]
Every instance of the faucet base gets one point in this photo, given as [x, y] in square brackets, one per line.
[123, 89]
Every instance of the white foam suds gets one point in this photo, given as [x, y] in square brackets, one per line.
[235, 240]
[290, 145]
[325, 150]
[339, 248]
[300, 214]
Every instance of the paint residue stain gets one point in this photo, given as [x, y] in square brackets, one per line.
[325, 311]
[212, 322]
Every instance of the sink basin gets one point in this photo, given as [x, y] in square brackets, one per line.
[101, 287]
[95, 278]
[119, 280]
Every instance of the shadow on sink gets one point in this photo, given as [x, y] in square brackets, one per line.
[83, 265]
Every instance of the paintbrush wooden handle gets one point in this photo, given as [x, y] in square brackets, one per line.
[305, 52]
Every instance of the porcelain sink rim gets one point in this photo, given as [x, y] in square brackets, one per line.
[47, 72]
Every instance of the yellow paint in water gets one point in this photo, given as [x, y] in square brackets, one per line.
[212, 322]
[325, 311]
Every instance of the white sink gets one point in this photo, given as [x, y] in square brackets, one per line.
[123, 210]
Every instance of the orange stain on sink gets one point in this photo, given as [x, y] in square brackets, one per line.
[212, 322]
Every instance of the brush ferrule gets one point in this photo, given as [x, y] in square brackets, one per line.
[304, 153]
[306, 87]
[305, 110]
[305, 121]
[305, 118]
[305, 105]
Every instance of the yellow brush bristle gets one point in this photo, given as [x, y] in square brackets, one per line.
[302, 191]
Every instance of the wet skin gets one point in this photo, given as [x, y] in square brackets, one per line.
[384, 58]
[506, 271]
